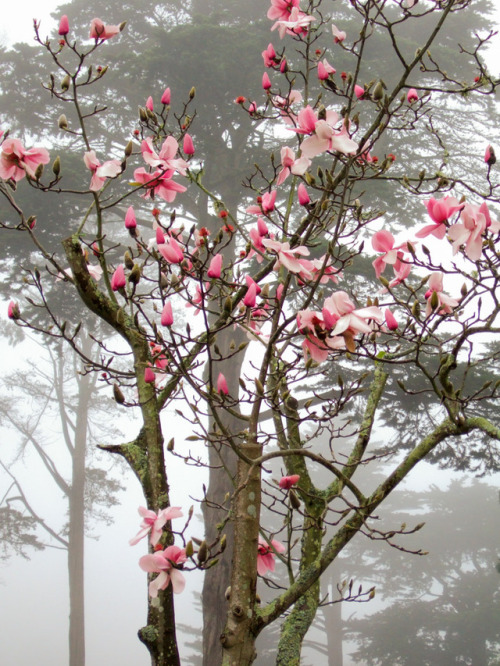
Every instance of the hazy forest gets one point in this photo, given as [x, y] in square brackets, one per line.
[250, 269]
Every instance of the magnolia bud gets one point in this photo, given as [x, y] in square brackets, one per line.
[122, 25]
[118, 395]
[378, 91]
[135, 274]
[62, 122]
[192, 93]
[223, 543]
[128, 149]
[189, 549]
[434, 300]
[56, 167]
[128, 261]
[38, 172]
[202, 552]
[294, 500]
[143, 116]
[65, 83]
[170, 445]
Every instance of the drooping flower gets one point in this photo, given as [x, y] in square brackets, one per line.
[118, 281]
[266, 206]
[165, 563]
[383, 241]
[296, 23]
[154, 522]
[297, 167]
[100, 31]
[266, 555]
[222, 386]
[286, 482]
[171, 251]
[269, 56]
[63, 25]
[324, 70]
[473, 223]
[16, 161]
[339, 35]
[100, 172]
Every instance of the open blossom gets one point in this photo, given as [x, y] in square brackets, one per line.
[158, 183]
[469, 230]
[445, 303]
[439, 211]
[289, 164]
[154, 523]
[281, 9]
[266, 555]
[323, 135]
[171, 251]
[100, 172]
[165, 563]
[383, 241]
[100, 31]
[296, 23]
[16, 161]
[269, 56]
[286, 482]
[267, 202]
[287, 256]
[166, 158]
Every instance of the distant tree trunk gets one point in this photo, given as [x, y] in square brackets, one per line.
[217, 579]
[334, 634]
[76, 534]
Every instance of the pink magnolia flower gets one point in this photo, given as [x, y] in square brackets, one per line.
[281, 9]
[172, 251]
[149, 103]
[412, 96]
[13, 311]
[339, 35]
[287, 256]
[165, 159]
[154, 522]
[166, 563]
[266, 554]
[296, 23]
[16, 161]
[439, 212]
[269, 56]
[222, 384]
[167, 315]
[348, 319]
[266, 81]
[100, 172]
[266, 206]
[158, 183]
[324, 70]
[63, 25]
[383, 241]
[251, 296]
[100, 31]
[469, 231]
[286, 482]
[165, 98]
[215, 268]
[445, 303]
[118, 281]
[291, 165]
[130, 221]
[324, 136]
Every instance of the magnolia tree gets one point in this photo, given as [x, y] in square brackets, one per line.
[285, 272]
